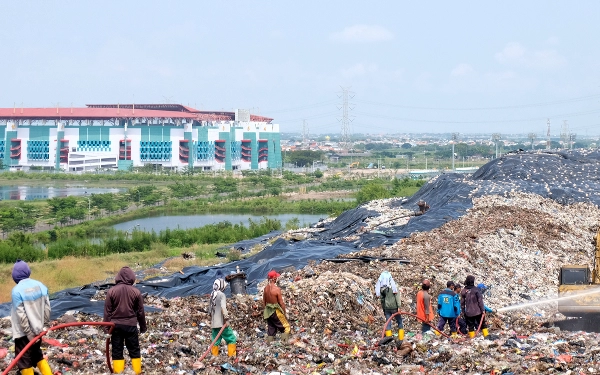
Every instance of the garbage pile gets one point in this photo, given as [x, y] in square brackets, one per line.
[511, 225]
[514, 244]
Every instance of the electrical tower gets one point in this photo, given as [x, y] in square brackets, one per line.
[496, 138]
[564, 134]
[532, 137]
[454, 139]
[548, 144]
[345, 141]
[572, 137]
[305, 135]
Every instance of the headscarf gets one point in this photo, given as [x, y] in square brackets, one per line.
[385, 280]
[218, 286]
[21, 271]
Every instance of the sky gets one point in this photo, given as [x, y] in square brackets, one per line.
[409, 67]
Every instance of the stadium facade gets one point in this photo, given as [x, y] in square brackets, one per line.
[122, 136]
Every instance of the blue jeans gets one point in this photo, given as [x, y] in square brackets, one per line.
[442, 323]
[398, 318]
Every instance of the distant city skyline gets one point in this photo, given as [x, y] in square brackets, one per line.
[437, 67]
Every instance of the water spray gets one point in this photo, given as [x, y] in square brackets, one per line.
[541, 302]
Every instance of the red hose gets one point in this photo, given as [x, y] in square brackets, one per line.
[410, 314]
[213, 343]
[61, 326]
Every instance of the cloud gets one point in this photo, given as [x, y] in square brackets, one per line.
[362, 34]
[462, 69]
[517, 55]
[358, 70]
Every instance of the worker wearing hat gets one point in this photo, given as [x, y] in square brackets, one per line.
[30, 312]
[275, 313]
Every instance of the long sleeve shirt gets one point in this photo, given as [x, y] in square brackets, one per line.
[30, 308]
[219, 312]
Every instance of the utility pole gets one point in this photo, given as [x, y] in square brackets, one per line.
[564, 134]
[454, 138]
[572, 137]
[532, 138]
[345, 143]
[305, 135]
[548, 135]
[496, 138]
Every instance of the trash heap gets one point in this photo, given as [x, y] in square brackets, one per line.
[514, 244]
[511, 225]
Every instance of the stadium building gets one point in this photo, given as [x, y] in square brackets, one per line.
[123, 136]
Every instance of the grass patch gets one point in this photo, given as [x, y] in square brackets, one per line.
[70, 272]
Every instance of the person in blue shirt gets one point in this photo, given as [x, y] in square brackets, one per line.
[30, 313]
[448, 308]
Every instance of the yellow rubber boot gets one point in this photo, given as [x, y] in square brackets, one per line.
[118, 366]
[471, 334]
[44, 367]
[454, 335]
[388, 333]
[136, 364]
[215, 350]
[485, 332]
[231, 350]
[27, 371]
[437, 333]
[401, 334]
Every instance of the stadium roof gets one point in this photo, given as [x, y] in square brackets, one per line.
[120, 111]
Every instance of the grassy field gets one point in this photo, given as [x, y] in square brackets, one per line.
[71, 272]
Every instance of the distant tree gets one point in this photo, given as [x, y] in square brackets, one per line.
[406, 145]
[305, 158]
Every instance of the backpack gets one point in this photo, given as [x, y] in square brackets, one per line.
[388, 299]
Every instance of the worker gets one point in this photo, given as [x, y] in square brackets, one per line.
[461, 324]
[483, 288]
[448, 308]
[471, 303]
[218, 317]
[124, 306]
[387, 291]
[275, 313]
[424, 308]
[29, 314]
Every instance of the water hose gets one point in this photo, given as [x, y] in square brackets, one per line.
[431, 325]
[410, 314]
[61, 326]
[212, 344]
[478, 328]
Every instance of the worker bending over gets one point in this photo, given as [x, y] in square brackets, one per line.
[218, 317]
[448, 308]
[471, 303]
[275, 309]
[29, 314]
[387, 291]
[424, 309]
[124, 306]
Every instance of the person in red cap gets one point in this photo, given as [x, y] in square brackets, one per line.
[275, 309]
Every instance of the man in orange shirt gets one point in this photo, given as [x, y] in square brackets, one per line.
[424, 309]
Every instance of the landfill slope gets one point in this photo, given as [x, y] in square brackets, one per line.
[512, 225]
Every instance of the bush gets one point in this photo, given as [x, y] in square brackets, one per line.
[234, 255]
[371, 192]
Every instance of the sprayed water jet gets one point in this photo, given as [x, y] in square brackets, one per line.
[550, 300]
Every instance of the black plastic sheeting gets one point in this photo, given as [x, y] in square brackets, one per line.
[247, 245]
[567, 177]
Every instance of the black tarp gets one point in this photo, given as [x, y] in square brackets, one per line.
[566, 176]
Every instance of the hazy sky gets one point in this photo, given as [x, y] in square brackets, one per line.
[436, 66]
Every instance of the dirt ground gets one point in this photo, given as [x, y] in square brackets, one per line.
[319, 195]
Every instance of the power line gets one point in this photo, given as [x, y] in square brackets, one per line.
[474, 122]
[563, 101]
